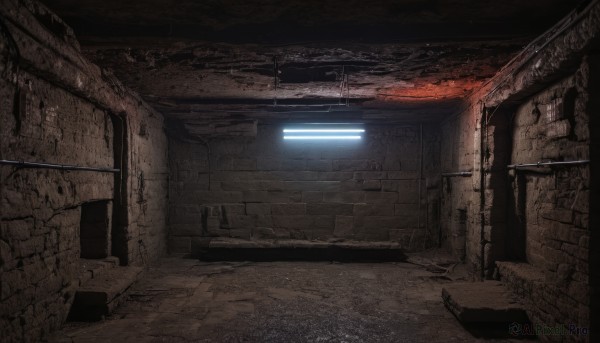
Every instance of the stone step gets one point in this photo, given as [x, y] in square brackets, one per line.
[90, 268]
[99, 296]
[521, 278]
[232, 249]
[483, 302]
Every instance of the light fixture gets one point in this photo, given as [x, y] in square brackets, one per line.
[324, 131]
[322, 137]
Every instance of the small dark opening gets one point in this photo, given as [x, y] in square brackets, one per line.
[95, 229]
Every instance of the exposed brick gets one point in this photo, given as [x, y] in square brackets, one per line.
[268, 164]
[311, 185]
[258, 209]
[210, 197]
[319, 165]
[560, 215]
[370, 175]
[325, 222]
[381, 197]
[350, 165]
[335, 176]
[344, 197]
[373, 209]
[402, 175]
[405, 209]
[270, 196]
[299, 222]
[312, 197]
[252, 185]
[237, 221]
[344, 226]
[293, 165]
[371, 185]
[329, 208]
[288, 209]
[233, 209]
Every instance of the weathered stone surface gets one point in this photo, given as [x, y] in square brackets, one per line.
[371, 185]
[57, 107]
[329, 208]
[258, 209]
[344, 226]
[405, 209]
[294, 180]
[312, 197]
[381, 197]
[288, 209]
[483, 302]
[60, 108]
[104, 292]
[537, 109]
[363, 210]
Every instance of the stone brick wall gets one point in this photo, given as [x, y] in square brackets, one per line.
[551, 206]
[41, 208]
[594, 218]
[265, 187]
[56, 107]
[540, 217]
[460, 195]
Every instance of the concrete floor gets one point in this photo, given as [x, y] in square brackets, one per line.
[184, 300]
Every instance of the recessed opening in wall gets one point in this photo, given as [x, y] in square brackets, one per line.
[324, 131]
[94, 229]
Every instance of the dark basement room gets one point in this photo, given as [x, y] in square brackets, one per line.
[299, 171]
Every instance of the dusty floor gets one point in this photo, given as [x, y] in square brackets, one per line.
[184, 300]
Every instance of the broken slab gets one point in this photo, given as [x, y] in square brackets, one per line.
[483, 302]
[99, 296]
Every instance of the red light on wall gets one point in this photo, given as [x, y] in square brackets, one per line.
[448, 89]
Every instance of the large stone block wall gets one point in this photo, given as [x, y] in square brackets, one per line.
[56, 107]
[40, 207]
[460, 142]
[265, 187]
[594, 218]
[539, 217]
[550, 207]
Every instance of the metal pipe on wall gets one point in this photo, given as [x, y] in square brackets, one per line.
[42, 165]
[549, 163]
[462, 173]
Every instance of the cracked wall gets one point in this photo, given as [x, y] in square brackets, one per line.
[58, 108]
[537, 219]
[548, 208]
[270, 188]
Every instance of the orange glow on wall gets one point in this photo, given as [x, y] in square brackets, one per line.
[444, 90]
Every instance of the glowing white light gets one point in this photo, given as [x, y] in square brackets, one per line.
[322, 137]
[323, 130]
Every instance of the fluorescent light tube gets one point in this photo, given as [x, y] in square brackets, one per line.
[323, 130]
[322, 137]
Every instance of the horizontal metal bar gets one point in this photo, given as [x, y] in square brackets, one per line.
[463, 173]
[56, 166]
[549, 163]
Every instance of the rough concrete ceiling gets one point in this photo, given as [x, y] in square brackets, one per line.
[195, 59]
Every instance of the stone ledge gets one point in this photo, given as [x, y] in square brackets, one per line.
[102, 294]
[89, 269]
[231, 249]
[297, 243]
[483, 302]
[520, 277]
